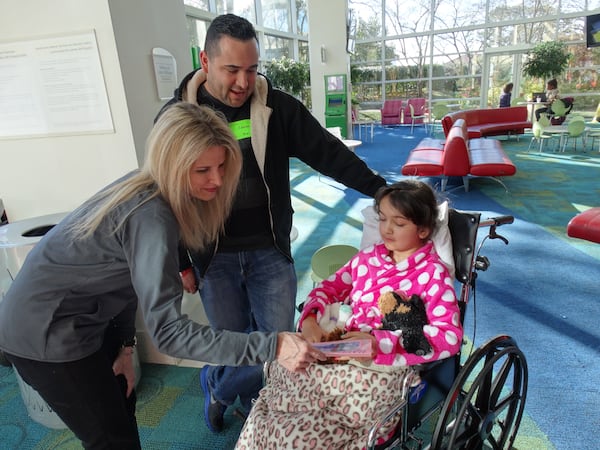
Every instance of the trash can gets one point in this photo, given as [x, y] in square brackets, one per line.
[16, 241]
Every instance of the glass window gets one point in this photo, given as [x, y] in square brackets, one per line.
[302, 17]
[200, 4]
[277, 47]
[402, 20]
[568, 6]
[458, 13]
[459, 53]
[243, 8]
[197, 31]
[276, 15]
[303, 51]
[368, 15]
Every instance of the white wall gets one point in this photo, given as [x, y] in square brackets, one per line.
[327, 28]
[139, 26]
[45, 175]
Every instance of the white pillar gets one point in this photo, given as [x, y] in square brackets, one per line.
[327, 49]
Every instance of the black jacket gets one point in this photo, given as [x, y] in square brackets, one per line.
[282, 128]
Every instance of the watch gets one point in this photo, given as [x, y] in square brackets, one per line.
[132, 342]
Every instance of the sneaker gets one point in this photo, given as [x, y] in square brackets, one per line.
[213, 409]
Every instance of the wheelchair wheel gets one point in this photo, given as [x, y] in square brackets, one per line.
[486, 401]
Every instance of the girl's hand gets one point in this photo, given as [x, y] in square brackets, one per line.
[311, 331]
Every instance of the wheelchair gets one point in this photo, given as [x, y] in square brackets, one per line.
[475, 405]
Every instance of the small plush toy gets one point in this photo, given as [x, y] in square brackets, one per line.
[407, 315]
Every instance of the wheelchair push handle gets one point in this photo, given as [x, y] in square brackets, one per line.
[497, 221]
[493, 223]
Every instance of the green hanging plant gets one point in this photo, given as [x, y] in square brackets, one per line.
[288, 75]
[547, 60]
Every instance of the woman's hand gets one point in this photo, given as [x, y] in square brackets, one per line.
[311, 331]
[188, 279]
[296, 354]
[123, 365]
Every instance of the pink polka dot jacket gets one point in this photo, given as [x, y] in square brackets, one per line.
[371, 273]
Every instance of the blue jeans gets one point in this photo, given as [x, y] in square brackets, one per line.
[247, 291]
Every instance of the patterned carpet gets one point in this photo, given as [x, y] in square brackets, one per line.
[546, 192]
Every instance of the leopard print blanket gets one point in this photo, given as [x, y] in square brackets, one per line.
[327, 407]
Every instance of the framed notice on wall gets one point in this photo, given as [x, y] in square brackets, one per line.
[53, 86]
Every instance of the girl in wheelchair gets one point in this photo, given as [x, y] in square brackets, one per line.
[334, 405]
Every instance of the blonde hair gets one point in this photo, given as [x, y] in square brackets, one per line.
[181, 134]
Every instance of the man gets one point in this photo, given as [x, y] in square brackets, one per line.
[247, 280]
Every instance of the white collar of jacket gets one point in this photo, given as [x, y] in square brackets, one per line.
[259, 111]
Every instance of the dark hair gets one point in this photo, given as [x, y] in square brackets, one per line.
[508, 87]
[230, 25]
[553, 83]
[414, 199]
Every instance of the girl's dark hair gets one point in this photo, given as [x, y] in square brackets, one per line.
[414, 199]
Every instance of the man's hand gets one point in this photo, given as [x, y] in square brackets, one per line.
[123, 365]
[294, 353]
[188, 279]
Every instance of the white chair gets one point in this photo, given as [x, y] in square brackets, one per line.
[417, 115]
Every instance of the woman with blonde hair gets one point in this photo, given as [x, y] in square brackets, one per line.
[67, 322]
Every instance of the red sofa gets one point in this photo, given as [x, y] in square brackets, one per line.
[459, 156]
[585, 225]
[490, 121]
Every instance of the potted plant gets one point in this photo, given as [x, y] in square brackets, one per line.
[547, 60]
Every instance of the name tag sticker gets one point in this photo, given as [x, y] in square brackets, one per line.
[241, 129]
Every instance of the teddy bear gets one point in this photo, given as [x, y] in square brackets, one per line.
[409, 316]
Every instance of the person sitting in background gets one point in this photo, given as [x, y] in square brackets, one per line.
[67, 322]
[505, 96]
[551, 95]
[334, 405]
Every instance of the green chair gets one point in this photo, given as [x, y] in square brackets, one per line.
[560, 109]
[539, 135]
[576, 117]
[576, 130]
[437, 114]
[328, 259]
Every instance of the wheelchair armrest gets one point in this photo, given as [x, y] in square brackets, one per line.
[393, 411]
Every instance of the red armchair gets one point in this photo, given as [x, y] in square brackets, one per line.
[391, 112]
